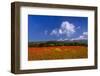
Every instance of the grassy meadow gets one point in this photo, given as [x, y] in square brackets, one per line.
[57, 50]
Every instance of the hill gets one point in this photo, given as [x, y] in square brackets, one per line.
[58, 43]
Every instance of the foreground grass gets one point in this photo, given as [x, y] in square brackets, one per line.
[56, 52]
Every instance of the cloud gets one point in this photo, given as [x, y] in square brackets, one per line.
[54, 32]
[66, 28]
[85, 33]
[84, 36]
[62, 39]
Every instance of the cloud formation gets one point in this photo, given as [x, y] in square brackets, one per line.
[62, 39]
[66, 28]
[54, 32]
[84, 36]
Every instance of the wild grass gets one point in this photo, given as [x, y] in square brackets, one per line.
[57, 52]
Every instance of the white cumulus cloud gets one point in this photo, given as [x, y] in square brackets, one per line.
[66, 28]
[54, 32]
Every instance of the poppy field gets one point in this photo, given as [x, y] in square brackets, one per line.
[57, 52]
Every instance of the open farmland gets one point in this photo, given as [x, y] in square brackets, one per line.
[57, 52]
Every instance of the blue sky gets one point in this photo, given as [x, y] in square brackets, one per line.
[45, 28]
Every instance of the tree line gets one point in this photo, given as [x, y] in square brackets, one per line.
[47, 44]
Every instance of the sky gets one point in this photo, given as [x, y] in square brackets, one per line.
[46, 28]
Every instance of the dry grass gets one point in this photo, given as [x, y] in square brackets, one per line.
[57, 52]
